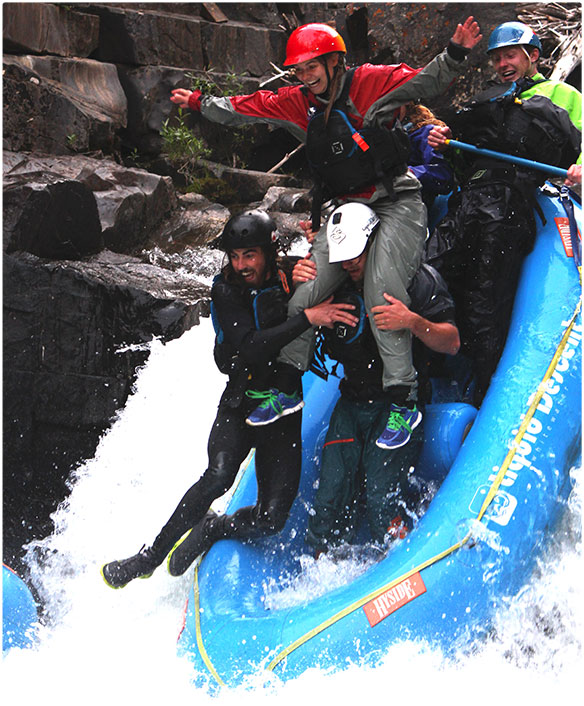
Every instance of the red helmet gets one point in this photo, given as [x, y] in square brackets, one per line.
[312, 40]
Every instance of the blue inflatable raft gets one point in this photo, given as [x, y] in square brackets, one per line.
[19, 612]
[502, 487]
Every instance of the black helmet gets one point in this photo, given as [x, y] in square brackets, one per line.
[247, 230]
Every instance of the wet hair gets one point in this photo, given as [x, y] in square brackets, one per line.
[338, 72]
[420, 116]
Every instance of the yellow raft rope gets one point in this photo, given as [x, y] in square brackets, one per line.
[429, 562]
[531, 411]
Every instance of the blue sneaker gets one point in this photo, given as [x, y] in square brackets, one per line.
[398, 430]
[275, 404]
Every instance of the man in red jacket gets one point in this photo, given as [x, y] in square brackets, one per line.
[357, 150]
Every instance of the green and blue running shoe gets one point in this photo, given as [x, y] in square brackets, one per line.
[398, 430]
[275, 404]
[119, 573]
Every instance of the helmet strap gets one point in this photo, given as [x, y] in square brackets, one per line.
[528, 54]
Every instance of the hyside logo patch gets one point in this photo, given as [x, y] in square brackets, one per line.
[388, 602]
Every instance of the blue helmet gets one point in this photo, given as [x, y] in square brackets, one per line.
[513, 33]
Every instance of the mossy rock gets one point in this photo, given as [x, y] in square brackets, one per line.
[214, 189]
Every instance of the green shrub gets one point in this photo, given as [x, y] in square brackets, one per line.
[235, 146]
[182, 147]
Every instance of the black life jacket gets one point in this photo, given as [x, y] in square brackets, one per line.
[270, 308]
[429, 298]
[345, 334]
[345, 160]
[355, 346]
[498, 119]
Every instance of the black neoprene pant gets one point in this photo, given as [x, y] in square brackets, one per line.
[491, 228]
[277, 466]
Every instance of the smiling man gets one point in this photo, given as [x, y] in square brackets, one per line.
[249, 307]
[249, 264]
[514, 61]
[490, 226]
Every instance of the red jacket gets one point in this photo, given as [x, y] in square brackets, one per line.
[291, 104]
[377, 91]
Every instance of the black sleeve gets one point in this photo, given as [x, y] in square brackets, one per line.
[457, 51]
[239, 329]
[430, 296]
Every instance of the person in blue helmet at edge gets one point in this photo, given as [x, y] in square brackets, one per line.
[352, 464]
[249, 301]
[480, 244]
[332, 110]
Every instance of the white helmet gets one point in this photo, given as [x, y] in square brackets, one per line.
[349, 229]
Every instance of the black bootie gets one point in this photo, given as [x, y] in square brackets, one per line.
[119, 573]
[197, 541]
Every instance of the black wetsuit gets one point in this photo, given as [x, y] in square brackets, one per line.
[251, 327]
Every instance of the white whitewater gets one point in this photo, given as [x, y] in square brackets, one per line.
[119, 647]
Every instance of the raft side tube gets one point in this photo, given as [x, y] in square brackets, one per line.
[19, 612]
[468, 556]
